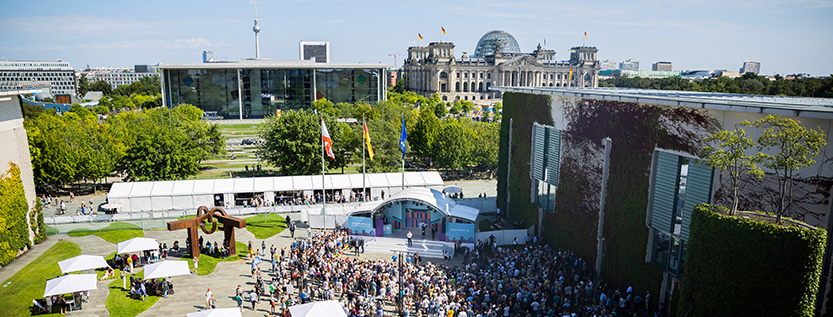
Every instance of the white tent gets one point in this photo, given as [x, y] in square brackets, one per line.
[82, 262]
[161, 196]
[330, 308]
[166, 268]
[219, 312]
[138, 244]
[452, 189]
[187, 194]
[70, 283]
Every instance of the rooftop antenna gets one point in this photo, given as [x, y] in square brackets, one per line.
[256, 29]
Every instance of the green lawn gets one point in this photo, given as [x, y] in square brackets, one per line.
[119, 302]
[51, 231]
[238, 127]
[115, 232]
[19, 290]
[266, 226]
[208, 262]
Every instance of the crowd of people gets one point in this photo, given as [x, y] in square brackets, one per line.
[530, 280]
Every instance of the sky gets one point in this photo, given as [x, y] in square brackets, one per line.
[786, 36]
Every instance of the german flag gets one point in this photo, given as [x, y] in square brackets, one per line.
[442, 29]
[585, 34]
[420, 36]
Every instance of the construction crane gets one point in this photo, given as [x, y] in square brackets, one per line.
[394, 59]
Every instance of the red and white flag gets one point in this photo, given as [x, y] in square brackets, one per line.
[328, 143]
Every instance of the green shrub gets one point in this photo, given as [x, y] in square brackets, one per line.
[14, 233]
[741, 267]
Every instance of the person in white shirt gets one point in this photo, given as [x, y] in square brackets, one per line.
[208, 296]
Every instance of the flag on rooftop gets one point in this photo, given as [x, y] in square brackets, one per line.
[442, 29]
[420, 36]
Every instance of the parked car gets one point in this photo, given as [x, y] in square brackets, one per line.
[247, 142]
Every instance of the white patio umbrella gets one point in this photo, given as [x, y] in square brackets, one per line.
[82, 262]
[453, 189]
[330, 308]
[70, 283]
[219, 312]
[138, 244]
[166, 268]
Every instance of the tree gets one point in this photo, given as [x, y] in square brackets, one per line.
[425, 132]
[83, 85]
[102, 86]
[293, 142]
[796, 145]
[498, 110]
[160, 154]
[327, 107]
[730, 156]
[453, 146]
[384, 137]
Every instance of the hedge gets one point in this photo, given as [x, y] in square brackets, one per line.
[14, 232]
[741, 267]
[636, 129]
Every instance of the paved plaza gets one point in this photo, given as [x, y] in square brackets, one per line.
[190, 290]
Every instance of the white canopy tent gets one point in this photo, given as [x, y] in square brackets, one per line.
[82, 263]
[166, 268]
[70, 283]
[218, 312]
[329, 308]
[137, 245]
[188, 194]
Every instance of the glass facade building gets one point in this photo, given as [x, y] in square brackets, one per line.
[256, 89]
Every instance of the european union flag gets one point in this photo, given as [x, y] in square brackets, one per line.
[403, 137]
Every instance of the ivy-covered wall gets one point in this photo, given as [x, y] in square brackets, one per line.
[525, 110]
[14, 231]
[635, 130]
[741, 267]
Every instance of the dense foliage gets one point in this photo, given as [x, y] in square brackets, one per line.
[14, 232]
[144, 93]
[636, 129]
[436, 137]
[153, 144]
[741, 267]
[749, 83]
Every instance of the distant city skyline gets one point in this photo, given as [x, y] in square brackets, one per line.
[693, 34]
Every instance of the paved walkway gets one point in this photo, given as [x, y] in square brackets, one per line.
[190, 290]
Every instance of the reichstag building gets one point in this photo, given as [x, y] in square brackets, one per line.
[497, 61]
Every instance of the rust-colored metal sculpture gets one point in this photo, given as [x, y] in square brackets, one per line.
[227, 224]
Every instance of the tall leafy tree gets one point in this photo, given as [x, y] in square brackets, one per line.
[796, 146]
[729, 155]
[293, 142]
[425, 131]
[161, 154]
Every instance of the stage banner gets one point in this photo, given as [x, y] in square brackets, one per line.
[362, 226]
[388, 229]
[459, 231]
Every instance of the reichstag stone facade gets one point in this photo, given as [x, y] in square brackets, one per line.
[497, 61]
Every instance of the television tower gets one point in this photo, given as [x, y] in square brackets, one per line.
[256, 29]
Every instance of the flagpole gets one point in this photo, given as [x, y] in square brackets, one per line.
[323, 181]
[364, 172]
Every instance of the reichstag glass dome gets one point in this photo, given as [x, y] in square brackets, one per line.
[486, 45]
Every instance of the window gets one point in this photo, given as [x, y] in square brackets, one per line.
[481, 75]
[444, 87]
[489, 75]
[458, 75]
[480, 87]
[443, 75]
[465, 87]
[465, 75]
[457, 86]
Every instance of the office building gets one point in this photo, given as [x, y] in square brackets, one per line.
[57, 76]
[317, 51]
[120, 78]
[497, 61]
[751, 67]
[609, 64]
[661, 67]
[638, 73]
[629, 64]
[208, 57]
[258, 88]
[656, 176]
